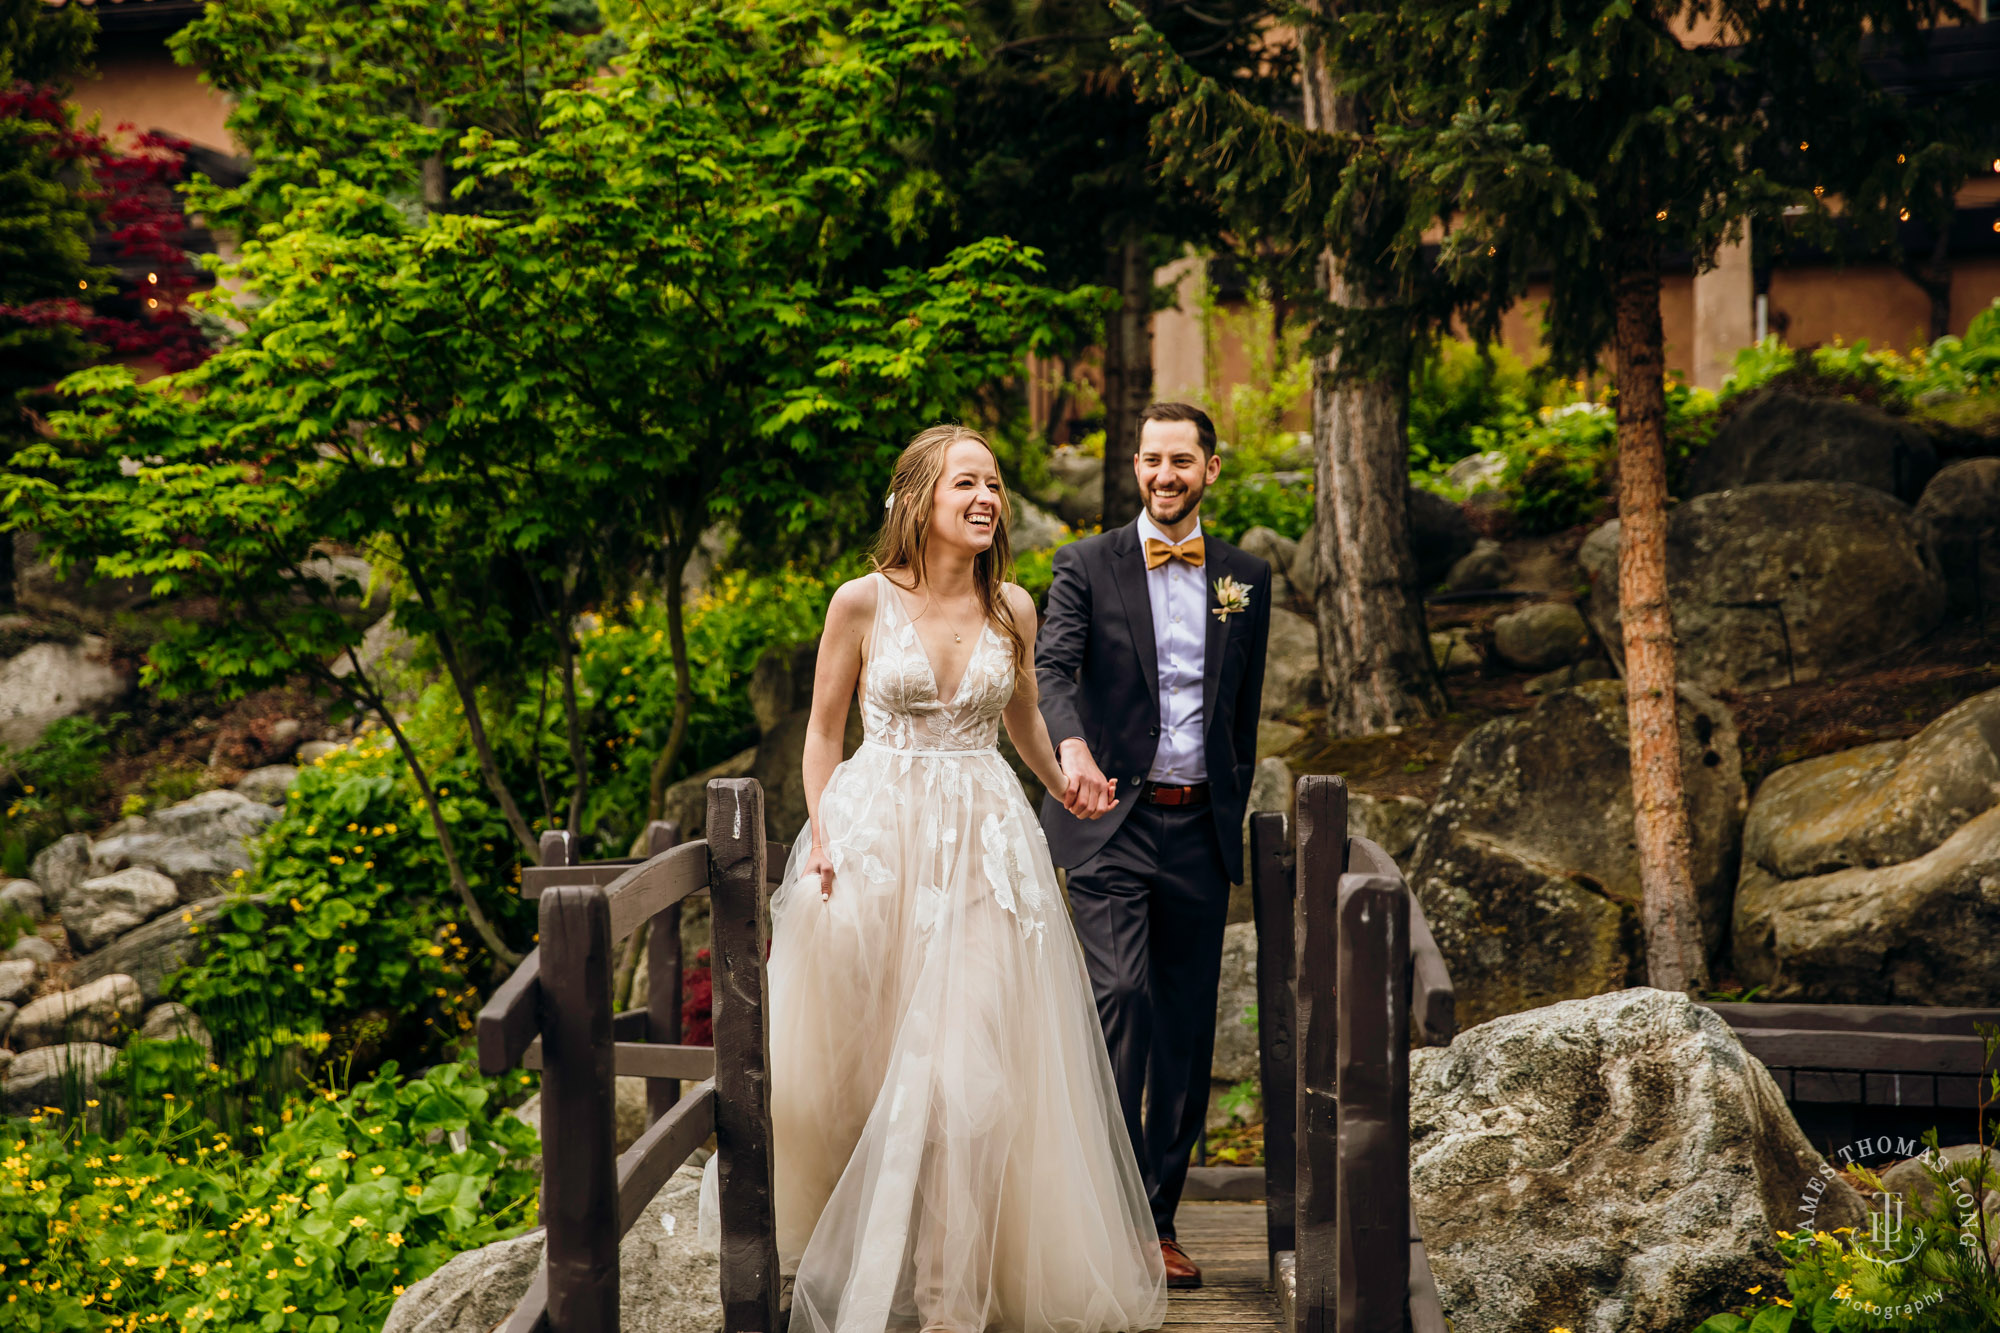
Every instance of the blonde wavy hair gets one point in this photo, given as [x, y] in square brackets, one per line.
[907, 523]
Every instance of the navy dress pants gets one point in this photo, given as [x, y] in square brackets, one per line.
[1149, 910]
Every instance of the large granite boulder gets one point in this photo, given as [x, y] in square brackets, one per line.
[1542, 635]
[17, 979]
[22, 898]
[269, 785]
[62, 1076]
[781, 695]
[60, 867]
[1609, 1165]
[1527, 866]
[50, 681]
[1390, 822]
[199, 844]
[1279, 552]
[1785, 581]
[1960, 510]
[99, 910]
[156, 950]
[1078, 494]
[1440, 535]
[667, 1281]
[1778, 436]
[107, 1009]
[1236, 1038]
[1872, 876]
[1292, 681]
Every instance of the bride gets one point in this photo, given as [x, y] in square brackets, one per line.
[949, 1149]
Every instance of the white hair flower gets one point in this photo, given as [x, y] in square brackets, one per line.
[889, 501]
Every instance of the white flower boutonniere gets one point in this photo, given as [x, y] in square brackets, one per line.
[1230, 597]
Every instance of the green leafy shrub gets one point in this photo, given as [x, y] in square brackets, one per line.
[627, 673]
[1563, 470]
[1231, 509]
[313, 1223]
[348, 932]
[1465, 399]
[52, 787]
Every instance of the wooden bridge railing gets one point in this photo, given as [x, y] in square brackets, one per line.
[554, 1013]
[1345, 965]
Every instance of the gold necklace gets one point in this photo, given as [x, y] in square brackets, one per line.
[928, 604]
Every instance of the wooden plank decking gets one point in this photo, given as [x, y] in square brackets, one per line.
[1227, 1240]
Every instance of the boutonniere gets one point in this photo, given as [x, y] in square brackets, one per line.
[1230, 597]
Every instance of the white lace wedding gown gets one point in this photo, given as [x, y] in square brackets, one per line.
[950, 1152]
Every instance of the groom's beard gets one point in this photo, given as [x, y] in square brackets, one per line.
[1167, 510]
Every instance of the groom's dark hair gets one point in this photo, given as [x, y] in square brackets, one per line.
[1203, 427]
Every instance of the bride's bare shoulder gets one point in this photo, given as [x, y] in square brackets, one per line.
[853, 602]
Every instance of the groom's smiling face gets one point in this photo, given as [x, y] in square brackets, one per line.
[1173, 470]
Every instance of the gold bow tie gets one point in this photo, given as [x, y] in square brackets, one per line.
[1159, 552]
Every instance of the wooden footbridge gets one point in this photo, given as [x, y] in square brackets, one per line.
[1347, 974]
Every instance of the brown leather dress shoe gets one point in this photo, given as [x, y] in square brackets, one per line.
[1181, 1271]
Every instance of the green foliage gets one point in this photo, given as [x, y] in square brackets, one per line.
[1562, 470]
[313, 1223]
[1232, 508]
[739, 618]
[1950, 368]
[650, 305]
[1468, 399]
[1250, 423]
[349, 937]
[52, 787]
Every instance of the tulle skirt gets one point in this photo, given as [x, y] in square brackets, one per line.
[950, 1153]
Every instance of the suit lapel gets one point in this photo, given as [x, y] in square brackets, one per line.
[1217, 635]
[1128, 575]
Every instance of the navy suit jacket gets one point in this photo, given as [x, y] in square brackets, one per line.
[1097, 669]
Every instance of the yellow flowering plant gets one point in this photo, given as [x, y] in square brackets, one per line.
[347, 937]
[312, 1226]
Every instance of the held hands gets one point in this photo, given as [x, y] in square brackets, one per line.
[1086, 793]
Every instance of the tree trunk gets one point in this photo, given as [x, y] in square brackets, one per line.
[1373, 646]
[1675, 958]
[1933, 276]
[1128, 378]
[670, 753]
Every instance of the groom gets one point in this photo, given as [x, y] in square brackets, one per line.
[1150, 663]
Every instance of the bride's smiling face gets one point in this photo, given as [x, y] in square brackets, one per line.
[965, 506]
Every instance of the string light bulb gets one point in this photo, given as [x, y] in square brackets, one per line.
[151, 304]
[1660, 216]
[1803, 145]
[82, 286]
[1903, 215]
[1900, 159]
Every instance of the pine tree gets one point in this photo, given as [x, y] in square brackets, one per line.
[1591, 142]
[1045, 142]
[1314, 209]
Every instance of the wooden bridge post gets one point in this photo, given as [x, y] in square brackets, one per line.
[1373, 1193]
[1271, 891]
[579, 1161]
[1321, 857]
[558, 848]
[663, 977]
[737, 856]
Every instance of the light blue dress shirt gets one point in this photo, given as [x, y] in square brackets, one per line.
[1179, 595]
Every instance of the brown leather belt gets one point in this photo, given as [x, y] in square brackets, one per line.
[1160, 794]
